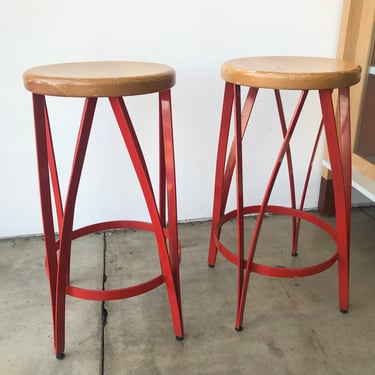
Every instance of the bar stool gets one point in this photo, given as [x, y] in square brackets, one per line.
[284, 73]
[113, 80]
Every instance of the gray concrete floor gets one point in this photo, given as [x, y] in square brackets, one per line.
[291, 326]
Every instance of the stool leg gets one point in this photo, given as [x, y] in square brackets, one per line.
[53, 171]
[341, 176]
[239, 191]
[283, 150]
[231, 160]
[307, 179]
[218, 208]
[162, 176]
[140, 167]
[290, 171]
[55, 181]
[67, 225]
[224, 172]
[39, 106]
[170, 178]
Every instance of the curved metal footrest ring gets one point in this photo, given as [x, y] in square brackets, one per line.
[115, 294]
[266, 270]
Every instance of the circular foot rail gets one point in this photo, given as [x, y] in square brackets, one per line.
[286, 272]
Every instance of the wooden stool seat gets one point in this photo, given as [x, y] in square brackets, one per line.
[284, 73]
[99, 79]
[291, 73]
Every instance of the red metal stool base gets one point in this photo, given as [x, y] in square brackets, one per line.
[58, 269]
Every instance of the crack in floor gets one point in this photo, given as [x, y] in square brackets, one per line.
[367, 213]
[104, 310]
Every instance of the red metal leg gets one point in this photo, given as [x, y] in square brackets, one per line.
[231, 160]
[224, 170]
[290, 170]
[239, 186]
[139, 164]
[220, 165]
[168, 147]
[67, 227]
[39, 105]
[53, 172]
[341, 177]
[55, 181]
[307, 180]
[284, 147]
[162, 182]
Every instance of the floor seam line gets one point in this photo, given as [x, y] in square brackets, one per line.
[104, 310]
[366, 213]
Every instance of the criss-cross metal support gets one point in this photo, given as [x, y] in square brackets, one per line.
[57, 266]
[340, 157]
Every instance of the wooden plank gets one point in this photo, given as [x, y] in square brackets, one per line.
[366, 135]
[363, 176]
[356, 44]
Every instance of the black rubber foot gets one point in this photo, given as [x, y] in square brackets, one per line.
[211, 265]
[294, 255]
[179, 338]
[343, 311]
[60, 356]
[239, 329]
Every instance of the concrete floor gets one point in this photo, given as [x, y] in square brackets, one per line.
[291, 326]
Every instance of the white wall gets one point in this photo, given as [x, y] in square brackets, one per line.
[194, 37]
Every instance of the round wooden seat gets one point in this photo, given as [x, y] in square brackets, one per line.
[99, 79]
[291, 73]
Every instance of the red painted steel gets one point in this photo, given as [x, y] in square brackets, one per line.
[162, 182]
[39, 106]
[279, 210]
[290, 169]
[115, 294]
[239, 186]
[219, 205]
[169, 168]
[139, 164]
[57, 267]
[53, 172]
[67, 225]
[340, 157]
[223, 178]
[284, 148]
[307, 180]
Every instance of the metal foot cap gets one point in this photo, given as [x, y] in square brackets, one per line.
[60, 356]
